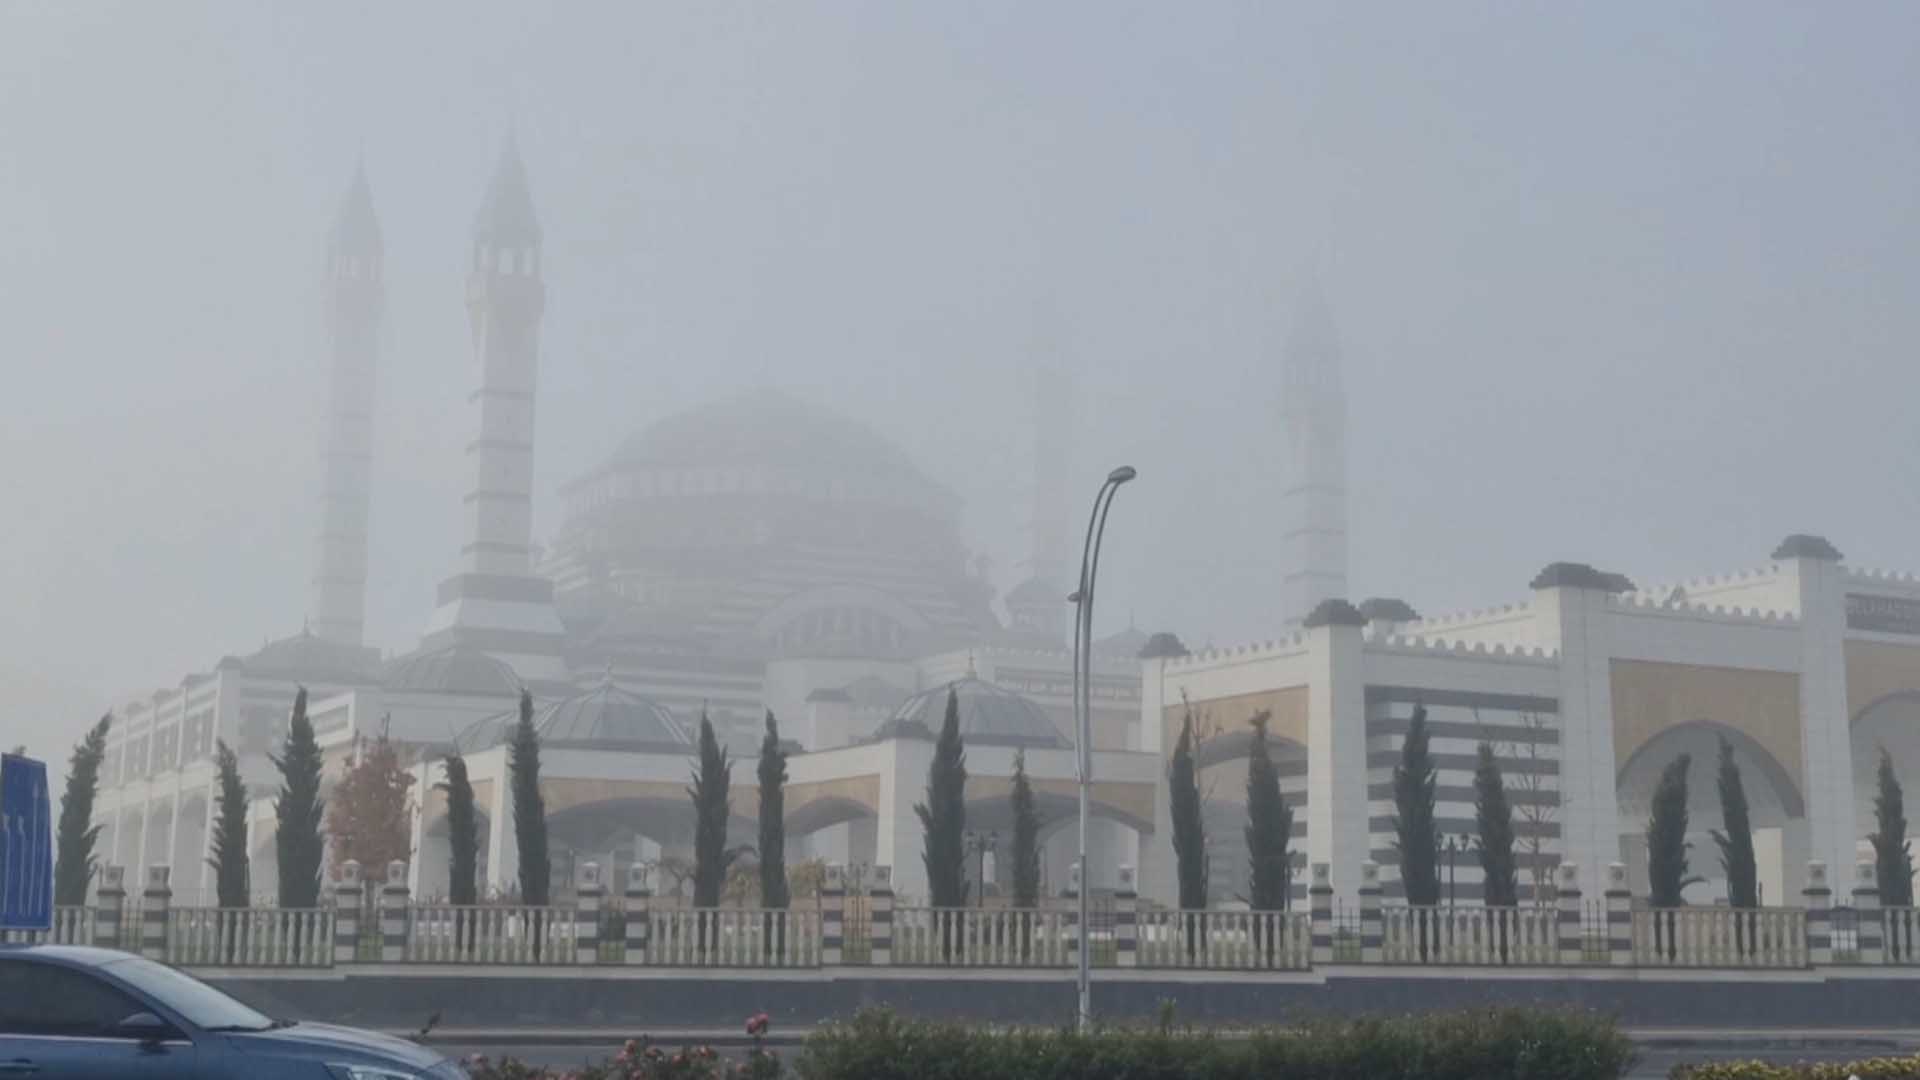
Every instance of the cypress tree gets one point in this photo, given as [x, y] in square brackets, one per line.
[1494, 817]
[463, 833]
[1667, 835]
[1269, 825]
[1736, 843]
[773, 824]
[1189, 833]
[74, 862]
[1026, 837]
[299, 811]
[1892, 852]
[1417, 837]
[228, 846]
[712, 777]
[943, 817]
[529, 807]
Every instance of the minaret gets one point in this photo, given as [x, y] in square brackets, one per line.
[495, 603]
[355, 298]
[1039, 603]
[1313, 496]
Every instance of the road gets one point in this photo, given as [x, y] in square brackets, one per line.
[1660, 1050]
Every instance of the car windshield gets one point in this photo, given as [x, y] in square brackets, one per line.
[201, 1005]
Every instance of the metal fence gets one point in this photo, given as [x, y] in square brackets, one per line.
[250, 937]
[1902, 941]
[1503, 936]
[480, 934]
[982, 937]
[1226, 940]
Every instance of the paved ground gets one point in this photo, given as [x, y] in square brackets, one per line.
[1660, 1049]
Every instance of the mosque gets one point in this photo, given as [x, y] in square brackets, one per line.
[762, 553]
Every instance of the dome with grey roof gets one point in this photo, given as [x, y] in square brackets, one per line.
[605, 718]
[989, 715]
[455, 670]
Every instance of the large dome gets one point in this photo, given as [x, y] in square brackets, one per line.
[989, 715]
[606, 718]
[456, 670]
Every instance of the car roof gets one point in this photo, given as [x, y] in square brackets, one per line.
[72, 955]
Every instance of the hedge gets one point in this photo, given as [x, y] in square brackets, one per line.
[1503, 1044]
[1884, 1068]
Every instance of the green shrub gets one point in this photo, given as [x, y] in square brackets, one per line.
[1510, 1044]
[1885, 1068]
[1484, 1044]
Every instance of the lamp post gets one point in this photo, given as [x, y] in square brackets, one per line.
[980, 845]
[1082, 599]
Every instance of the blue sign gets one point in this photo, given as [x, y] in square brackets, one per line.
[26, 845]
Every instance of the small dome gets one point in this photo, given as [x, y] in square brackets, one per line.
[308, 657]
[605, 718]
[610, 718]
[989, 715]
[1161, 645]
[456, 670]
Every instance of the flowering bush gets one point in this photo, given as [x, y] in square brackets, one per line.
[641, 1059]
[1885, 1068]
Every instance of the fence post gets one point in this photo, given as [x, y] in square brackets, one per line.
[1818, 898]
[349, 898]
[586, 913]
[639, 919]
[1372, 928]
[1567, 920]
[1076, 934]
[1866, 903]
[155, 899]
[1320, 899]
[881, 913]
[1126, 925]
[393, 914]
[833, 915]
[1619, 916]
[110, 907]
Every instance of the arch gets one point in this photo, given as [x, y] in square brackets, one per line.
[1646, 763]
[824, 813]
[1892, 721]
[1235, 745]
[1055, 812]
[665, 821]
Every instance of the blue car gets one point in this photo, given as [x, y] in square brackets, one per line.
[68, 1013]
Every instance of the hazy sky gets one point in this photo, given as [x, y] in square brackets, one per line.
[1636, 284]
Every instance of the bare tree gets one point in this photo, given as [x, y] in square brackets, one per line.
[1540, 802]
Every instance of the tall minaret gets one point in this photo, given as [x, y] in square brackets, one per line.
[355, 298]
[1313, 497]
[1038, 604]
[495, 603]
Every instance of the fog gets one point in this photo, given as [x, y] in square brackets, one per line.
[1637, 285]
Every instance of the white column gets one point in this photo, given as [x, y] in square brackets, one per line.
[898, 841]
[1574, 620]
[1337, 832]
[503, 842]
[1825, 727]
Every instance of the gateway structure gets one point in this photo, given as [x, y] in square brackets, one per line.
[1587, 691]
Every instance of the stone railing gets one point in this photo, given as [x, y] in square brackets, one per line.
[368, 924]
[249, 937]
[985, 937]
[1720, 937]
[1228, 940]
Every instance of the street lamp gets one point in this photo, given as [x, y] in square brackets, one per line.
[1082, 695]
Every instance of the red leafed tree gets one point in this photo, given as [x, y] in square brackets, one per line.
[369, 817]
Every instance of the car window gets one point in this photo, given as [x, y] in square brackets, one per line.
[200, 1004]
[47, 999]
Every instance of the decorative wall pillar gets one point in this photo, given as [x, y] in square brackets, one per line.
[1126, 925]
[587, 891]
[1338, 833]
[833, 905]
[1866, 906]
[1817, 898]
[1619, 916]
[1320, 897]
[1812, 568]
[349, 901]
[155, 900]
[880, 912]
[110, 907]
[1567, 914]
[1372, 927]
[393, 914]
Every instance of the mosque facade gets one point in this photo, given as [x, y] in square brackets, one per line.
[762, 553]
